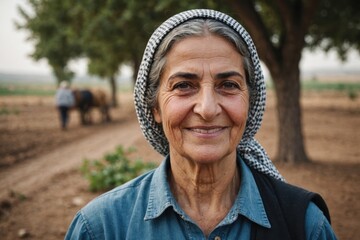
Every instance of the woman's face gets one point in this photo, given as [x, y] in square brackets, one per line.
[203, 99]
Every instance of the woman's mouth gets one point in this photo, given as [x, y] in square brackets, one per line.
[206, 130]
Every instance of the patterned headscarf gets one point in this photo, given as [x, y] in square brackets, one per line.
[249, 149]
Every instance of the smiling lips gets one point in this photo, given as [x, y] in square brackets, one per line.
[206, 130]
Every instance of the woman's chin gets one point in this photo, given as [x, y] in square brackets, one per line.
[203, 155]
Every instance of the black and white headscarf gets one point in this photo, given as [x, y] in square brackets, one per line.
[249, 149]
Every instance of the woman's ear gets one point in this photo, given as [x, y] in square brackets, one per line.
[157, 115]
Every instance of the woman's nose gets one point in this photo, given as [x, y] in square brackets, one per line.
[207, 104]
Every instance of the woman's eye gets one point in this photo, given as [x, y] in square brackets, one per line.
[230, 85]
[182, 86]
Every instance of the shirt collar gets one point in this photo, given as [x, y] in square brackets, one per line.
[160, 195]
[248, 202]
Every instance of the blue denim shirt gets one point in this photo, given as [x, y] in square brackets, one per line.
[145, 208]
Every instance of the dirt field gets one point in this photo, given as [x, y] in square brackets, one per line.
[41, 187]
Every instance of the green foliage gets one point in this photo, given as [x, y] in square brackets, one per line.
[49, 26]
[108, 33]
[113, 170]
[351, 89]
[336, 26]
[24, 91]
[335, 86]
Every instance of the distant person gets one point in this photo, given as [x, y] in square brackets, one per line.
[64, 100]
[199, 97]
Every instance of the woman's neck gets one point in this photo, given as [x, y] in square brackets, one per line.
[206, 192]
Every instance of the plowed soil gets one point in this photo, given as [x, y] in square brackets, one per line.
[41, 187]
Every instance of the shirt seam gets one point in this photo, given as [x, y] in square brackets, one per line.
[87, 226]
[320, 226]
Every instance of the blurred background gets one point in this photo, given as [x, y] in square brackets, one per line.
[310, 56]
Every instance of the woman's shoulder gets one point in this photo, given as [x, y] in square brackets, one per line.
[109, 212]
[301, 209]
[121, 197]
[317, 225]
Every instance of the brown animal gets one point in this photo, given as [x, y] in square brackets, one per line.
[86, 99]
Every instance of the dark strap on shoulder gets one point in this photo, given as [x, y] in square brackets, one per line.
[285, 206]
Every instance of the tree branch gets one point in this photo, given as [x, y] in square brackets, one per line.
[285, 12]
[309, 10]
[245, 11]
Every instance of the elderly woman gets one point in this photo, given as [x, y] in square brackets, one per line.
[200, 97]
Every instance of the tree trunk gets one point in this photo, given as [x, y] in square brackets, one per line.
[290, 146]
[282, 59]
[113, 88]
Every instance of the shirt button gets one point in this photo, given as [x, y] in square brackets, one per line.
[217, 238]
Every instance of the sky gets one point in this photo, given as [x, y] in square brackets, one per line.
[15, 50]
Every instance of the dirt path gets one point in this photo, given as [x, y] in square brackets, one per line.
[25, 178]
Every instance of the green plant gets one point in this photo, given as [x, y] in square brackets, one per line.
[114, 169]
